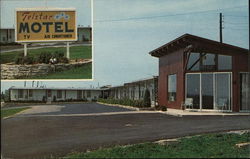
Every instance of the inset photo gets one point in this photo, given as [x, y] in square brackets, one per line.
[46, 40]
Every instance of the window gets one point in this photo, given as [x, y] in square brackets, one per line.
[49, 93]
[194, 62]
[79, 94]
[172, 87]
[59, 94]
[208, 62]
[224, 62]
[88, 93]
[20, 93]
[30, 93]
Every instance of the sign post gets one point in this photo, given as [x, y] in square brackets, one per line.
[25, 49]
[67, 50]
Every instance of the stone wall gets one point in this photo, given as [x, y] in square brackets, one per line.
[9, 71]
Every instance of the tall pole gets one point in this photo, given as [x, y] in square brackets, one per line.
[221, 27]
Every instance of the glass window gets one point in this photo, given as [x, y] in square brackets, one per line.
[79, 94]
[88, 93]
[59, 94]
[30, 93]
[224, 62]
[193, 89]
[208, 62]
[20, 93]
[193, 63]
[172, 87]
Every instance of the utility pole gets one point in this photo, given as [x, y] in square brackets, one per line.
[221, 27]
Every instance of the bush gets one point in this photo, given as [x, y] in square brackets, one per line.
[54, 98]
[146, 99]
[20, 60]
[124, 101]
[44, 57]
[63, 60]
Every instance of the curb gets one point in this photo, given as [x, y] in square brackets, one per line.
[122, 106]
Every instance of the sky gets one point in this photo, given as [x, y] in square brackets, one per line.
[125, 31]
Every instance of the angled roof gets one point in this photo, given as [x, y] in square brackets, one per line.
[197, 43]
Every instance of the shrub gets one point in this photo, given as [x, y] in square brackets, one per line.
[44, 57]
[63, 60]
[58, 54]
[146, 99]
[20, 60]
[163, 108]
[54, 98]
[28, 60]
[44, 99]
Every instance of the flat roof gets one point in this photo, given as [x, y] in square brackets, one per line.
[58, 88]
[195, 41]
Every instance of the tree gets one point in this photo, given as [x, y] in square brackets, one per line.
[147, 100]
[6, 96]
[2, 96]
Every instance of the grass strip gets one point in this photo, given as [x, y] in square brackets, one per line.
[203, 146]
[83, 72]
[9, 112]
[76, 52]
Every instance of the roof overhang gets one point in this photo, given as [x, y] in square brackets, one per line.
[197, 44]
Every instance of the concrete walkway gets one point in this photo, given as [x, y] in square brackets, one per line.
[180, 113]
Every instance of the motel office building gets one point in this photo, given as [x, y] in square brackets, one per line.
[215, 75]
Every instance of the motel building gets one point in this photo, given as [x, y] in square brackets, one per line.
[204, 75]
[42, 94]
[135, 90]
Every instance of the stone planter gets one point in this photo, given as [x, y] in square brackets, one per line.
[12, 71]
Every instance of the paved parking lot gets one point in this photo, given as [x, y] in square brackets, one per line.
[40, 136]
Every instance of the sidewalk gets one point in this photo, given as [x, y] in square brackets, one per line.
[180, 113]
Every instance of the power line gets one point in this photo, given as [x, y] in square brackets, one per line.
[167, 15]
[239, 16]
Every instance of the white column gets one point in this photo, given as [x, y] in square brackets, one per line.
[25, 49]
[68, 50]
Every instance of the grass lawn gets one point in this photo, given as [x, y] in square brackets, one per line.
[9, 112]
[83, 72]
[203, 146]
[76, 52]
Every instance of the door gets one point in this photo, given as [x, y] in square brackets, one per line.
[49, 94]
[245, 92]
[223, 91]
[207, 84]
[193, 89]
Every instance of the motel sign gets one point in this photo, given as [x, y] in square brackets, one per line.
[45, 25]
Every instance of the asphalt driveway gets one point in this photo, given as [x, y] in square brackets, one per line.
[75, 108]
[43, 136]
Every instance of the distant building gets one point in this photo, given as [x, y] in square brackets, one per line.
[54, 94]
[84, 34]
[135, 90]
[7, 35]
[213, 75]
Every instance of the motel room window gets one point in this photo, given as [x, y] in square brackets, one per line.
[172, 87]
[59, 94]
[79, 94]
[20, 93]
[30, 93]
[88, 94]
[224, 62]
